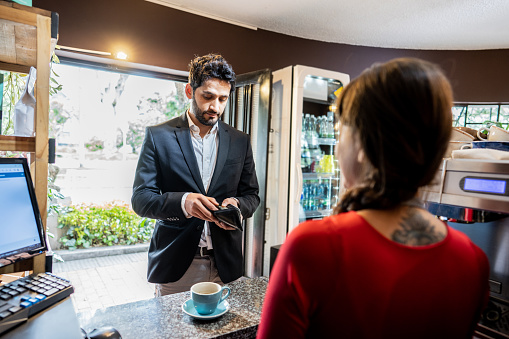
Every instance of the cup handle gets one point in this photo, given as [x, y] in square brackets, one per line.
[480, 135]
[227, 293]
[466, 146]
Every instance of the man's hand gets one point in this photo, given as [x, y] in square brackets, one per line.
[225, 203]
[233, 202]
[199, 206]
[228, 201]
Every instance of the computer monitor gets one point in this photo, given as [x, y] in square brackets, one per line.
[21, 228]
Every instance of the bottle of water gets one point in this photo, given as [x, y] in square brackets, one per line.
[315, 126]
[311, 133]
[326, 194]
[330, 125]
[305, 196]
[322, 122]
[305, 155]
[312, 195]
[324, 127]
[319, 195]
[304, 123]
[319, 126]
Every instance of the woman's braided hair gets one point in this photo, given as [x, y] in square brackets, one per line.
[401, 111]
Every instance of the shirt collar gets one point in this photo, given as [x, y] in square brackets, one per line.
[196, 129]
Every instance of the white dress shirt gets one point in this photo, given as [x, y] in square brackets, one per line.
[205, 150]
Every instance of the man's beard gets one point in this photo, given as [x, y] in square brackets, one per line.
[199, 115]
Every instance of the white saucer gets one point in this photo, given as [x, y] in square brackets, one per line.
[188, 308]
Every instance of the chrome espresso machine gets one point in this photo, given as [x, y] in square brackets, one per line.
[473, 196]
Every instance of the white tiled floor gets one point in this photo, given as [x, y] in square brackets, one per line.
[106, 281]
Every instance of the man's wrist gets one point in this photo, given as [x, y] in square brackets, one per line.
[183, 205]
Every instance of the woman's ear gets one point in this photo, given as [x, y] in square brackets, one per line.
[361, 156]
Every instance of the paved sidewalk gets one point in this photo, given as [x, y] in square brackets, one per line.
[106, 281]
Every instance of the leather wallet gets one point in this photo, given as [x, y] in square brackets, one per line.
[230, 215]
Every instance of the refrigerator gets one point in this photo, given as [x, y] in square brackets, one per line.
[248, 110]
[303, 175]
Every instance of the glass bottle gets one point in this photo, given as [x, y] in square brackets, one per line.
[330, 125]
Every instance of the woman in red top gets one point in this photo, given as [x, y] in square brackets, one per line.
[382, 266]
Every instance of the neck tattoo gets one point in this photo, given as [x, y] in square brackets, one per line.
[414, 229]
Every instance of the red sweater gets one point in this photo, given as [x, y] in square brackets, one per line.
[340, 278]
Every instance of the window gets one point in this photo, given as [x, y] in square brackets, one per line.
[479, 115]
[98, 120]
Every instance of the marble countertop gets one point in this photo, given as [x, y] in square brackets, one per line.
[163, 317]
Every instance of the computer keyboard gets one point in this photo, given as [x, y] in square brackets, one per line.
[25, 297]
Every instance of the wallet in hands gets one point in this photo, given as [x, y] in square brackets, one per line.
[230, 215]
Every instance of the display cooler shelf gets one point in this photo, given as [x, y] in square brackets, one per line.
[315, 176]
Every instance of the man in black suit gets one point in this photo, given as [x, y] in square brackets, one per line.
[186, 166]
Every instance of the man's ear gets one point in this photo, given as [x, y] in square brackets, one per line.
[189, 91]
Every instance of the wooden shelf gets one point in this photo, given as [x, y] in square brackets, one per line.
[25, 41]
[19, 28]
[17, 144]
[14, 68]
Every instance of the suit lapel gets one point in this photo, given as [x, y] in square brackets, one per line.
[222, 153]
[184, 139]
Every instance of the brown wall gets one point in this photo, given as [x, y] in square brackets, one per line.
[161, 36]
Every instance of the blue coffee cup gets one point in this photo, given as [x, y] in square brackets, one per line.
[207, 296]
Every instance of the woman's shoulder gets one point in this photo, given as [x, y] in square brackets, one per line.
[316, 240]
[459, 239]
[334, 224]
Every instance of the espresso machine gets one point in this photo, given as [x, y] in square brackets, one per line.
[472, 195]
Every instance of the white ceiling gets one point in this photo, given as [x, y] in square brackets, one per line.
[414, 24]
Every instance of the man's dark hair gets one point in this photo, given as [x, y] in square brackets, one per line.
[210, 66]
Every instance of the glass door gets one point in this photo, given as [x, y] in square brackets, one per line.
[320, 176]
[303, 177]
[314, 176]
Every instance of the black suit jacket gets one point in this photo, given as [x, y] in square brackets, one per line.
[167, 168]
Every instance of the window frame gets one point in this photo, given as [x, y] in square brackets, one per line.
[118, 66]
[463, 120]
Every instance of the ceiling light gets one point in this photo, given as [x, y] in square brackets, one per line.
[121, 55]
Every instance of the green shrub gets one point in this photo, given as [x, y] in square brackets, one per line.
[104, 225]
